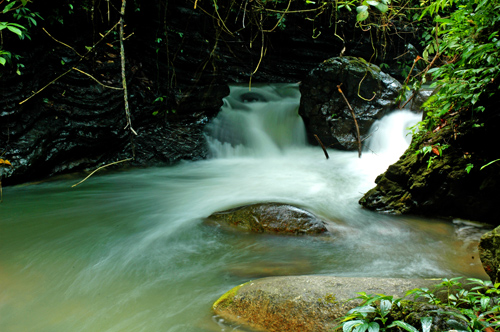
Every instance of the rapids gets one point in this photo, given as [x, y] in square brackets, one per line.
[127, 250]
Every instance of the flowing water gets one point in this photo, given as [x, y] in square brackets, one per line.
[128, 251]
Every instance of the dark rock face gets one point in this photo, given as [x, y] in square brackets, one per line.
[489, 252]
[428, 184]
[325, 111]
[270, 218]
[76, 123]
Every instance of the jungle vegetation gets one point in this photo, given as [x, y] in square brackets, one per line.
[458, 49]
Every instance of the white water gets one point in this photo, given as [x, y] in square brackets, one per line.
[128, 251]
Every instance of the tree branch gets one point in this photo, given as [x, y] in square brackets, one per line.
[355, 121]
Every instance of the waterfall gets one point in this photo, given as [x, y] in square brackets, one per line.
[261, 121]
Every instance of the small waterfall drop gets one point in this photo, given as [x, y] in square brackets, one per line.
[261, 121]
[391, 135]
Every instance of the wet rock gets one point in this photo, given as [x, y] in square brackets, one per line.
[489, 252]
[303, 303]
[76, 123]
[271, 268]
[369, 91]
[274, 218]
[419, 98]
[439, 185]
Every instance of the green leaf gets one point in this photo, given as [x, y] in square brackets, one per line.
[17, 25]
[362, 13]
[385, 307]
[469, 167]
[15, 30]
[2, 61]
[372, 3]
[373, 327]
[382, 7]
[361, 328]
[403, 325]
[485, 301]
[363, 310]
[348, 326]
[8, 7]
[454, 314]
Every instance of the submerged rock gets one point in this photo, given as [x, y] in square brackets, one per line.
[303, 303]
[489, 252]
[275, 218]
[370, 92]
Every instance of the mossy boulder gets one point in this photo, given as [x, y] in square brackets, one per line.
[489, 252]
[434, 177]
[276, 218]
[303, 303]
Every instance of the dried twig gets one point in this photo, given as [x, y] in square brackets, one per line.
[95, 79]
[322, 146]
[354, 117]
[60, 42]
[98, 169]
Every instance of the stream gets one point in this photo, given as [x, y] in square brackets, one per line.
[128, 250]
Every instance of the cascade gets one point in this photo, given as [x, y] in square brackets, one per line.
[260, 121]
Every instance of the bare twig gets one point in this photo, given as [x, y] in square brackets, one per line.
[60, 42]
[354, 117]
[322, 146]
[45, 86]
[95, 79]
[98, 169]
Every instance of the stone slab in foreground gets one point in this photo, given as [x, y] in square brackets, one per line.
[304, 303]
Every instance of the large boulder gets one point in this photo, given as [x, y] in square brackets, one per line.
[369, 91]
[303, 303]
[489, 252]
[274, 218]
[434, 178]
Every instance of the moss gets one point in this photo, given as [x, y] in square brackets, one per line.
[328, 298]
[227, 299]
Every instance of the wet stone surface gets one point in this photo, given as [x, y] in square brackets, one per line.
[276, 218]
